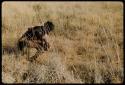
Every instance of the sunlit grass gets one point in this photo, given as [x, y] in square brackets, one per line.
[86, 45]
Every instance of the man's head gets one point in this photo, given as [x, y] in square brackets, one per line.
[48, 26]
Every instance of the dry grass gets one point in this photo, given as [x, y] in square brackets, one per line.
[86, 45]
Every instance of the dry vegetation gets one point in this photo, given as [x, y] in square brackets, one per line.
[86, 45]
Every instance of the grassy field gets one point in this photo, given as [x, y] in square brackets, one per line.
[86, 45]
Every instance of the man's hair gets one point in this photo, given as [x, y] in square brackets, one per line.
[48, 26]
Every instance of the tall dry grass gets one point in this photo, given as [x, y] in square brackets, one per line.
[86, 45]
